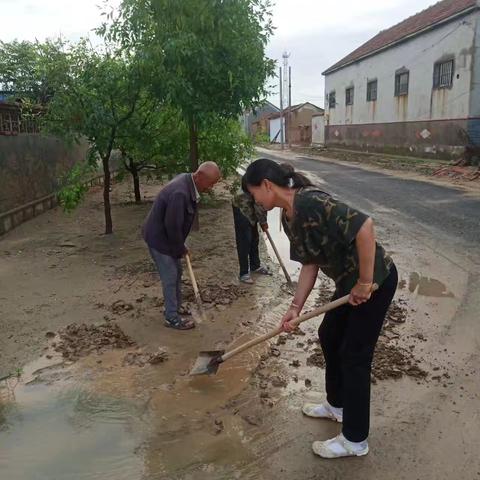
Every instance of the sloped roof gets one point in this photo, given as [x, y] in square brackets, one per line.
[428, 18]
[298, 106]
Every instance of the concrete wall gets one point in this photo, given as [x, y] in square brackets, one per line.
[426, 119]
[318, 130]
[31, 165]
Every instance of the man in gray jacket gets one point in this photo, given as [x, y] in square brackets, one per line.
[166, 229]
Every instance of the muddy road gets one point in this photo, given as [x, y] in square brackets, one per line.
[420, 429]
[105, 391]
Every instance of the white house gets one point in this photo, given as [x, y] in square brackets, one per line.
[412, 88]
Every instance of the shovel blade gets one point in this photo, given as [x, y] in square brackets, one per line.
[207, 362]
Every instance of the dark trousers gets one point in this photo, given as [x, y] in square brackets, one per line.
[348, 336]
[247, 238]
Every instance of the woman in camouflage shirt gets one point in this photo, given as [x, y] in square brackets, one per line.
[340, 240]
[247, 215]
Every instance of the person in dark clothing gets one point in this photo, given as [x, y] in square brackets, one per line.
[340, 240]
[247, 215]
[166, 229]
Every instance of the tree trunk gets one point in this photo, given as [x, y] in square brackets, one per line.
[106, 194]
[136, 183]
[193, 144]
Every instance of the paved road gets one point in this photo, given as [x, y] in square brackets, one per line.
[448, 210]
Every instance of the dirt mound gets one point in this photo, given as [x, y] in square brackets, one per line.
[140, 358]
[120, 306]
[391, 361]
[458, 172]
[79, 340]
[215, 294]
[397, 313]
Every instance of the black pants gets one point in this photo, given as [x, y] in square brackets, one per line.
[348, 336]
[247, 239]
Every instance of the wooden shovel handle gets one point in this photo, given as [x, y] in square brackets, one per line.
[302, 318]
[192, 277]
[280, 261]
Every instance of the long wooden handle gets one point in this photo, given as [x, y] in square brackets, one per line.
[272, 243]
[302, 318]
[192, 278]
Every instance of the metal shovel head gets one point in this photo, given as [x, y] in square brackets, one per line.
[289, 288]
[207, 362]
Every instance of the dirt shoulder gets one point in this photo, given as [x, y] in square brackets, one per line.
[58, 269]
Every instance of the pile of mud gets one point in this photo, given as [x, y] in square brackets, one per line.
[140, 358]
[391, 361]
[215, 294]
[79, 340]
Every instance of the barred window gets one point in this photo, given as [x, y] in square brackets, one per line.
[349, 96]
[401, 83]
[372, 90]
[443, 74]
[331, 100]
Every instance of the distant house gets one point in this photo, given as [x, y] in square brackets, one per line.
[256, 121]
[414, 87]
[298, 124]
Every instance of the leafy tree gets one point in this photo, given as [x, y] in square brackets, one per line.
[29, 70]
[154, 138]
[211, 54]
[97, 95]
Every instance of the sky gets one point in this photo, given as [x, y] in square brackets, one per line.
[316, 33]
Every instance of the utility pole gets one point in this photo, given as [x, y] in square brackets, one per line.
[281, 110]
[286, 68]
[289, 105]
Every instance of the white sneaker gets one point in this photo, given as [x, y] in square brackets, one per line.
[323, 410]
[340, 447]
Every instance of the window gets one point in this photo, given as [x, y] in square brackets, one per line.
[349, 96]
[401, 83]
[372, 91]
[331, 100]
[443, 74]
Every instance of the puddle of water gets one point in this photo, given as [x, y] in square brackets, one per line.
[64, 430]
[428, 287]
[98, 419]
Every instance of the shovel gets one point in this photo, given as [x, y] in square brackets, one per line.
[280, 261]
[207, 362]
[198, 298]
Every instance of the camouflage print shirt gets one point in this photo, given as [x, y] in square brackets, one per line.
[323, 232]
[254, 212]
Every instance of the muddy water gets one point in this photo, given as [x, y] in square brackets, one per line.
[54, 427]
[100, 419]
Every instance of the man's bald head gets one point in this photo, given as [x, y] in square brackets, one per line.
[206, 176]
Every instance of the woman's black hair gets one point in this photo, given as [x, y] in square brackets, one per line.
[283, 175]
